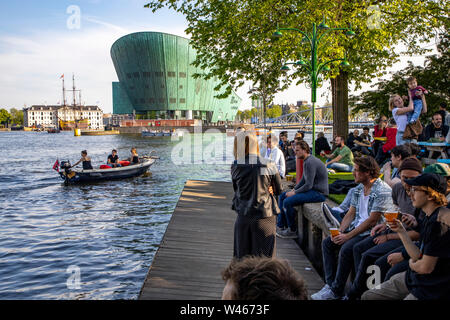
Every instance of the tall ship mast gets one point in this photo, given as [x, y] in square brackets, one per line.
[76, 122]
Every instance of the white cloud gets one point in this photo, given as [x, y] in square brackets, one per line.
[31, 65]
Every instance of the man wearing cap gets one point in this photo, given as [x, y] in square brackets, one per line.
[382, 240]
[428, 273]
[396, 261]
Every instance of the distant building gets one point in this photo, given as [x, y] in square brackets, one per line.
[156, 79]
[64, 117]
[288, 108]
[302, 103]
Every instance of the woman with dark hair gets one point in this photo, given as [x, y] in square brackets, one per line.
[85, 160]
[256, 206]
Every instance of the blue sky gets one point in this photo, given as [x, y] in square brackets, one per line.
[36, 47]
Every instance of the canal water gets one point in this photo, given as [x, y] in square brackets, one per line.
[93, 241]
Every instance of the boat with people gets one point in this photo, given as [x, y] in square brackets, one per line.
[104, 172]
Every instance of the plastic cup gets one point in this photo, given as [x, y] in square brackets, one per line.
[334, 232]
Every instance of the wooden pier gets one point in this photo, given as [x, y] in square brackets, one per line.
[198, 245]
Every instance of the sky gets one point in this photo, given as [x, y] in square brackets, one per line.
[40, 40]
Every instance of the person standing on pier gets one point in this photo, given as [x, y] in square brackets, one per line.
[255, 205]
[274, 154]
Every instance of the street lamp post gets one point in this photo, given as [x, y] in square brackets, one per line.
[313, 66]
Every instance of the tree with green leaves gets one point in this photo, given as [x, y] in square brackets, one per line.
[233, 40]
[434, 76]
[5, 117]
[274, 111]
[16, 116]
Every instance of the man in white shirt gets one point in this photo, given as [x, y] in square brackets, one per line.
[274, 154]
[371, 197]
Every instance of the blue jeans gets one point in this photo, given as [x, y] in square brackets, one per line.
[414, 115]
[337, 272]
[286, 218]
[365, 253]
[340, 167]
[344, 206]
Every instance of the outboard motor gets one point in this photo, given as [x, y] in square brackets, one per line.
[65, 165]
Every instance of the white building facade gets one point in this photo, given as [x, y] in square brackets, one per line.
[49, 116]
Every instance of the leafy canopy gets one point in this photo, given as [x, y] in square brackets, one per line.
[233, 37]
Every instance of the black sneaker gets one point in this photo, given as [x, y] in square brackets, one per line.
[329, 218]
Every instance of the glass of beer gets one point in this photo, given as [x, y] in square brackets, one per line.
[334, 232]
[390, 216]
[289, 178]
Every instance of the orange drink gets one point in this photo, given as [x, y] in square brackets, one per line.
[334, 232]
[390, 216]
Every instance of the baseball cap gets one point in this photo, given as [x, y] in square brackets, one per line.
[439, 168]
[432, 180]
[411, 164]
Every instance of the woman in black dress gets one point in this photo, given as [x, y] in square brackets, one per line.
[256, 206]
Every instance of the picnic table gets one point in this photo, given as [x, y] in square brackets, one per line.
[433, 147]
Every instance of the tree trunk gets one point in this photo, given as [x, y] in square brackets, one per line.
[339, 88]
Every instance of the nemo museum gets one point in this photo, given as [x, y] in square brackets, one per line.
[155, 75]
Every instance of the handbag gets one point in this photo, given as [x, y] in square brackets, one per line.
[413, 130]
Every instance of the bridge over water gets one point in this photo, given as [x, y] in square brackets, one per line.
[324, 118]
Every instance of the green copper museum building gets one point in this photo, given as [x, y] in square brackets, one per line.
[155, 79]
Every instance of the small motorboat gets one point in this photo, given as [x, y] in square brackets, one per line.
[53, 130]
[147, 133]
[104, 172]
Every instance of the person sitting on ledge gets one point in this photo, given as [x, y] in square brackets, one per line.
[427, 276]
[371, 197]
[342, 157]
[313, 187]
[262, 278]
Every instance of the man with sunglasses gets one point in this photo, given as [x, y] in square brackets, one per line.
[428, 273]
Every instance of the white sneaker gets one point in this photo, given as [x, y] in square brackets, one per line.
[329, 218]
[325, 294]
[319, 293]
[280, 229]
[287, 234]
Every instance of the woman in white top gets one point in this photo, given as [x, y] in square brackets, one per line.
[273, 153]
[399, 111]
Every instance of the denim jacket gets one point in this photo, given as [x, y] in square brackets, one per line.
[380, 200]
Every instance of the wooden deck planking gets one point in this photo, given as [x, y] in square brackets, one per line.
[198, 245]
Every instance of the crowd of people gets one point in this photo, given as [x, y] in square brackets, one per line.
[397, 225]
